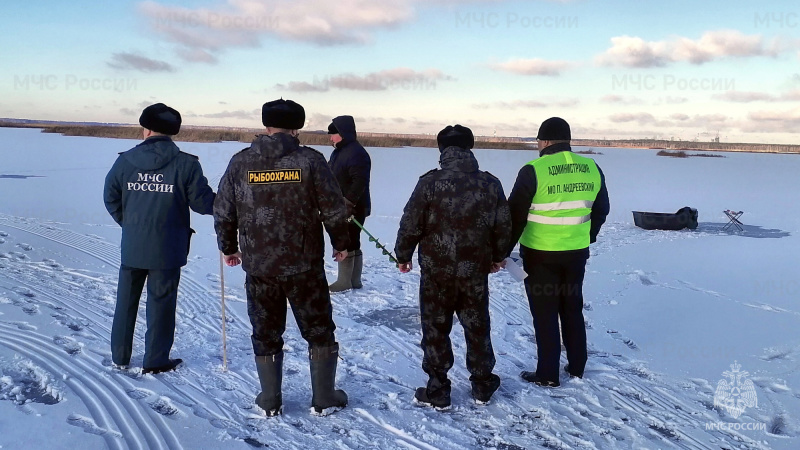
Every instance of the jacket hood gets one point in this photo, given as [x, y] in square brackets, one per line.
[458, 159]
[346, 127]
[152, 154]
[276, 145]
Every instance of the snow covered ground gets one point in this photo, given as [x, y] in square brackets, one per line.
[667, 313]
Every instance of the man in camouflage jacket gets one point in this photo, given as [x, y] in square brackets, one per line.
[277, 194]
[460, 218]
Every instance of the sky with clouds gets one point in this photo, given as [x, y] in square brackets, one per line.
[612, 68]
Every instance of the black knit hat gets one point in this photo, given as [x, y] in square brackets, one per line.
[161, 119]
[455, 135]
[284, 114]
[332, 129]
[554, 129]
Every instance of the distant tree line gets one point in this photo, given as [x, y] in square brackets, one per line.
[215, 134]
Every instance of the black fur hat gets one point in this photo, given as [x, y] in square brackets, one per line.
[554, 129]
[284, 114]
[161, 119]
[455, 135]
[332, 129]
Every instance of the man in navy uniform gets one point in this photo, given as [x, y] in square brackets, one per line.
[269, 213]
[149, 192]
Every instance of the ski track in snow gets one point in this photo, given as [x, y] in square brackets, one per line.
[620, 404]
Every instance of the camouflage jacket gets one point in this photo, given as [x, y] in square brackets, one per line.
[277, 195]
[458, 215]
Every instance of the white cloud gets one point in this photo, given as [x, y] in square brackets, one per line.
[675, 100]
[196, 55]
[529, 104]
[302, 86]
[397, 78]
[640, 118]
[534, 66]
[772, 121]
[622, 100]
[242, 23]
[748, 97]
[629, 51]
[704, 121]
[132, 61]
[238, 114]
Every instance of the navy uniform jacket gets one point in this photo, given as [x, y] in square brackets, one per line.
[149, 191]
[276, 195]
[351, 165]
[459, 217]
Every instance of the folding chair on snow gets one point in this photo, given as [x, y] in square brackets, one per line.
[733, 217]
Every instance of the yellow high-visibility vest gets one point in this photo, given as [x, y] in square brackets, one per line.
[559, 218]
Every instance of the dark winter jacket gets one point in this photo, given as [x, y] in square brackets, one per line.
[149, 192]
[525, 188]
[459, 217]
[277, 195]
[351, 165]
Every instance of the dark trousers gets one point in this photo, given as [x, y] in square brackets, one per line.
[162, 296]
[440, 298]
[555, 291]
[355, 232]
[310, 300]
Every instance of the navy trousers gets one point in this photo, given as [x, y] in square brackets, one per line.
[555, 291]
[355, 233]
[162, 296]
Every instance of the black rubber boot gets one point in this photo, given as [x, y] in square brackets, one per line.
[531, 377]
[270, 374]
[168, 367]
[344, 282]
[358, 264]
[436, 393]
[325, 398]
[482, 390]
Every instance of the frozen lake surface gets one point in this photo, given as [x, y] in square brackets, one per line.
[667, 313]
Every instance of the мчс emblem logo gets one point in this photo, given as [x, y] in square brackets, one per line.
[736, 394]
[274, 176]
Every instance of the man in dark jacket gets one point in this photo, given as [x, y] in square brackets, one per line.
[351, 165]
[459, 217]
[149, 192]
[558, 204]
[277, 194]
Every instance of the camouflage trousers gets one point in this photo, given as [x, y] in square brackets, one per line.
[441, 297]
[310, 300]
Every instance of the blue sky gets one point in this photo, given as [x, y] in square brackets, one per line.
[614, 68]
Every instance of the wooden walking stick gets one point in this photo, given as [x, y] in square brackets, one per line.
[222, 292]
